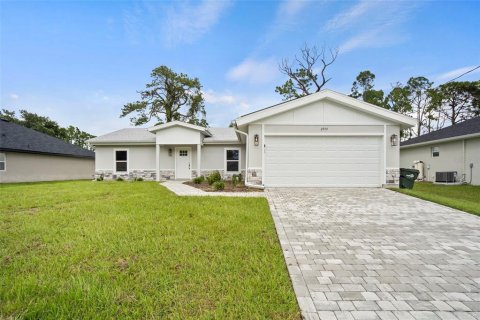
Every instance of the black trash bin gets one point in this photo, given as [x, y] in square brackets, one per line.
[408, 177]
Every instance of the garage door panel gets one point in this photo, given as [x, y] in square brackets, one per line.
[323, 161]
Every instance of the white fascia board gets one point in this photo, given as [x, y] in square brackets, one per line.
[404, 120]
[426, 143]
[123, 143]
[178, 123]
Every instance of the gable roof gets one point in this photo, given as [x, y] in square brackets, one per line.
[179, 124]
[457, 131]
[129, 135]
[403, 120]
[17, 138]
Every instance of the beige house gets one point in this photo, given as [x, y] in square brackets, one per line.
[451, 154]
[27, 155]
[324, 139]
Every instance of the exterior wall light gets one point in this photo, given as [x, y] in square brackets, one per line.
[394, 140]
[256, 140]
[170, 152]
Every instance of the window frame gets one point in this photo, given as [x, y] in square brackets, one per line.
[432, 152]
[225, 150]
[115, 161]
[4, 162]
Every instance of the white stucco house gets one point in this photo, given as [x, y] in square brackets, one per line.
[450, 154]
[325, 139]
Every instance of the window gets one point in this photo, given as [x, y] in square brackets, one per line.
[121, 161]
[3, 162]
[435, 152]
[183, 153]
[232, 157]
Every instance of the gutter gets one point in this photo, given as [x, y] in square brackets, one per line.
[246, 161]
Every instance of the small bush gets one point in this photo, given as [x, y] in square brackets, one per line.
[119, 179]
[236, 179]
[138, 179]
[219, 185]
[100, 178]
[214, 177]
[199, 180]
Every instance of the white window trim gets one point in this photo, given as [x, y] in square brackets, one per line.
[115, 161]
[239, 160]
[4, 161]
[431, 152]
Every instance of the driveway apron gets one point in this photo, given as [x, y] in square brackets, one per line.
[377, 254]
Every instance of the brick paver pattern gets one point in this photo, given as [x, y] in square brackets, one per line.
[377, 254]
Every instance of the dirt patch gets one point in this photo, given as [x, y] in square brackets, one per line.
[241, 187]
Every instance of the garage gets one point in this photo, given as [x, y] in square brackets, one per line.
[325, 161]
[325, 139]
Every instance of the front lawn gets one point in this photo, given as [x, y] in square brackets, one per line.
[462, 197]
[108, 250]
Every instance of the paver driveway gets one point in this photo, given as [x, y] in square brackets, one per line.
[378, 254]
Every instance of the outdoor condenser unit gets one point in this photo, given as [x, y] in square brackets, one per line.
[446, 177]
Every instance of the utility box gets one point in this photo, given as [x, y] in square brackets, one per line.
[419, 165]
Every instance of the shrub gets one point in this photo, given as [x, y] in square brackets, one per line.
[100, 178]
[236, 179]
[199, 180]
[214, 177]
[138, 179]
[219, 185]
[119, 179]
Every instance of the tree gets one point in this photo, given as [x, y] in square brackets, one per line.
[420, 96]
[458, 101]
[48, 126]
[397, 100]
[307, 73]
[363, 86]
[168, 97]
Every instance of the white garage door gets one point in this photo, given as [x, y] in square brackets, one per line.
[323, 161]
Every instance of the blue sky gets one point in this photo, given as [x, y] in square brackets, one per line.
[79, 62]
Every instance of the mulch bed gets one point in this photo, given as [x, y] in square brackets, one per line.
[228, 187]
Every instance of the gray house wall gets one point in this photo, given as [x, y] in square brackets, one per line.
[454, 156]
[30, 167]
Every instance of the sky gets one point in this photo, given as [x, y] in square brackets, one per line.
[79, 62]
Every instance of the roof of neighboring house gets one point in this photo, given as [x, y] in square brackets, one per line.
[17, 138]
[461, 129]
[132, 135]
[403, 120]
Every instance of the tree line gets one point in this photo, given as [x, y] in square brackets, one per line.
[434, 107]
[48, 126]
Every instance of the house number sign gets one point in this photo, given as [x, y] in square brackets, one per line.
[324, 129]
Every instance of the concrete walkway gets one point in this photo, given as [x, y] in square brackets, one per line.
[181, 189]
[378, 254]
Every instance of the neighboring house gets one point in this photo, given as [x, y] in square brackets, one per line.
[28, 155]
[451, 149]
[324, 139]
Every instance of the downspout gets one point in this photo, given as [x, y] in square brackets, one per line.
[246, 160]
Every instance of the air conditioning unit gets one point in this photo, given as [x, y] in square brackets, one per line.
[446, 177]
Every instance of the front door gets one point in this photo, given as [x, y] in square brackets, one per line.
[183, 158]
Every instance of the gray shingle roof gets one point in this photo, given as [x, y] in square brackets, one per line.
[133, 135]
[466, 127]
[16, 138]
[221, 135]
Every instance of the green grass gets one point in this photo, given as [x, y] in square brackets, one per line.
[120, 250]
[462, 197]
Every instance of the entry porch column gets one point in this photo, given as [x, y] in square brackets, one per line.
[199, 159]
[157, 161]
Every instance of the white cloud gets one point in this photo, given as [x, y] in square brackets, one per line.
[456, 72]
[374, 24]
[291, 7]
[255, 71]
[213, 97]
[186, 23]
[14, 96]
[351, 15]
